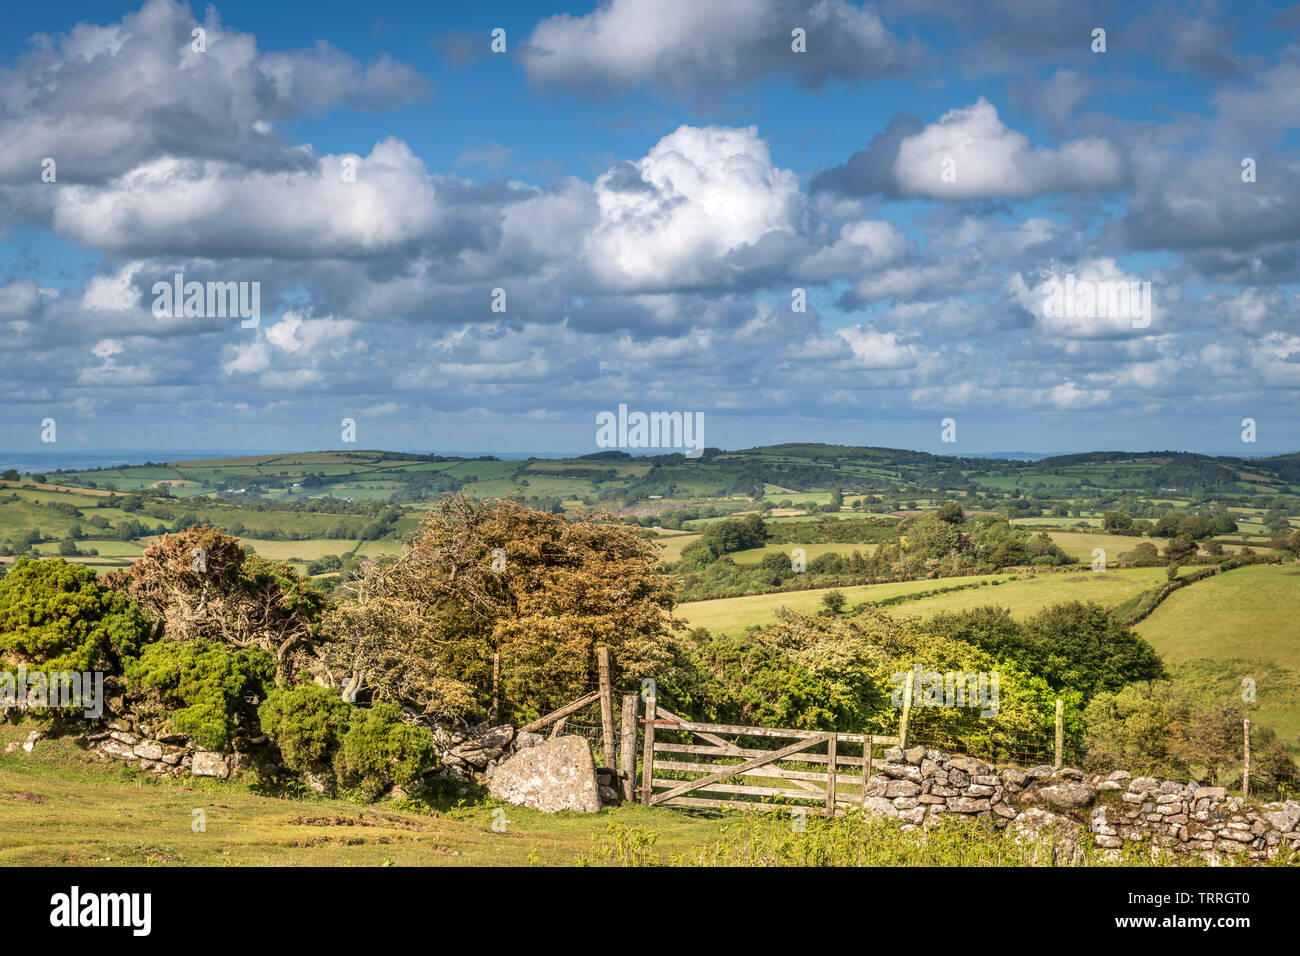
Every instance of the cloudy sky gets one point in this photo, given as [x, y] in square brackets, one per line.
[650, 182]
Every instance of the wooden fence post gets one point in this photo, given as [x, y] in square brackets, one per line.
[648, 755]
[907, 711]
[1245, 773]
[627, 748]
[496, 687]
[831, 766]
[866, 765]
[1060, 733]
[606, 707]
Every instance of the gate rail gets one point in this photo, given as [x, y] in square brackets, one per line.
[827, 787]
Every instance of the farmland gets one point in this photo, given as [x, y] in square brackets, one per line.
[1237, 626]
[1022, 594]
[326, 511]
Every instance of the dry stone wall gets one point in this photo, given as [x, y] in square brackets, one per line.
[918, 786]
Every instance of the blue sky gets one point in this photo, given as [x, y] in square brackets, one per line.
[649, 182]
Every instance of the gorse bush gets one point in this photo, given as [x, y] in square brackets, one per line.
[201, 688]
[307, 724]
[57, 616]
[366, 748]
[379, 750]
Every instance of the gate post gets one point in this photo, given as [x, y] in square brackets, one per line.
[907, 712]
[627, 748]
[606, 707]
[648, 756]
[831, 767]
[866, 765]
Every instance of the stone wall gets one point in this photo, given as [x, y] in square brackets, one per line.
[918, 786]
[466, 755]
[164, 755]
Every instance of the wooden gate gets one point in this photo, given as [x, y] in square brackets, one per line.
[725, 767]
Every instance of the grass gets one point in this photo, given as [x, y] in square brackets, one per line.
[1024, 596]
[61, 805]
[736, 615]
[755, 555]
[1029, 595]
[672, 546]
[767, 839]
[1079, 544]
[1233, 626]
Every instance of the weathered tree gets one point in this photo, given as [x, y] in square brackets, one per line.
[199, 583]
[495, 576]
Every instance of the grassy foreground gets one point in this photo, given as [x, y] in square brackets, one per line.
[62, 806]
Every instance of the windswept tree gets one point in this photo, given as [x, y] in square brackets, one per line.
[495, 576]
[199, 583]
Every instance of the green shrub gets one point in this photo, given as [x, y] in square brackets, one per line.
[203, 689]
[307, 723]
[379, 750]
[58, 616]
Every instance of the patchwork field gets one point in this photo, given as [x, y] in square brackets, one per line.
[1024, 597]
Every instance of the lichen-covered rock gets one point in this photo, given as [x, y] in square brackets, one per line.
[1282, 817]
[968, 765]
[1039, 825]
[207, 763]
[116, 749]
[901, 788]
[1064, 795]
[487, 745]
[556, 775]
[526, 738]
[149, 750]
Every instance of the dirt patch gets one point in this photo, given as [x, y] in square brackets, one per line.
[27, 796]
[159, 854]
[330, 822]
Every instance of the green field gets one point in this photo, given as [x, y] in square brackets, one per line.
[1232, 626]
[1024, 597]
[755, 555]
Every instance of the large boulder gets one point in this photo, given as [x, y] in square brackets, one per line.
[556, 775]
[1283, 817]
[1064, 795]
[207, 763]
